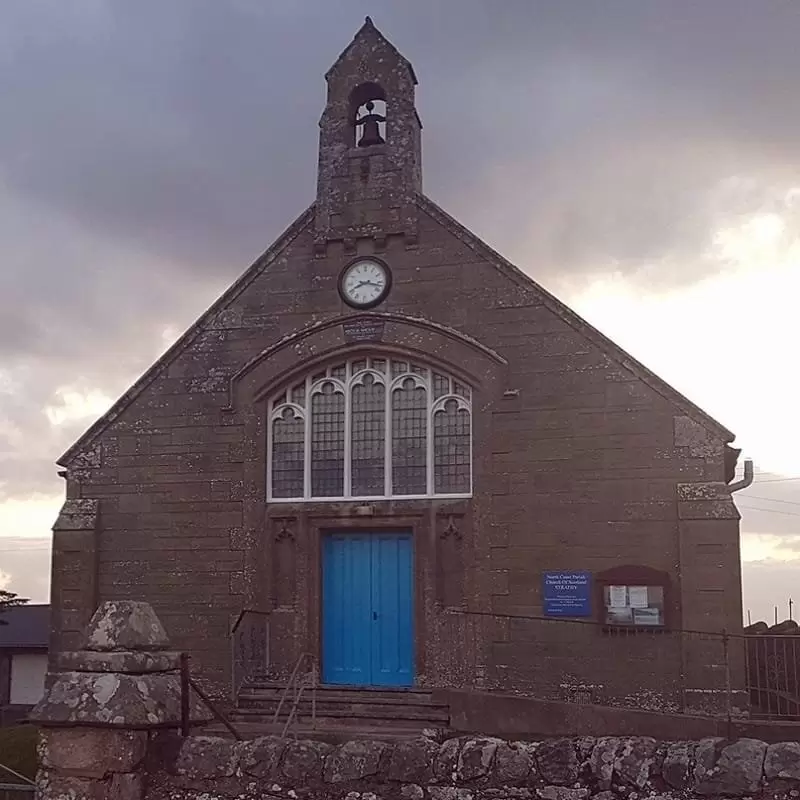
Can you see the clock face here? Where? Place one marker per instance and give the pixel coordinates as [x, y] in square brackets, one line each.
[365, 283]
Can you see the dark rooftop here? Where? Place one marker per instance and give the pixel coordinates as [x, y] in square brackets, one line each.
[26, 626]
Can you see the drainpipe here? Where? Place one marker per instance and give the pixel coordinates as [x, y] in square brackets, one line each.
[746, 480]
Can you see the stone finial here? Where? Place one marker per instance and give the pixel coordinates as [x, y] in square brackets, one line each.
[123, 678]
[126, 625]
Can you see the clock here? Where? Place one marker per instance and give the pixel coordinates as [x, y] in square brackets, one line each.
[365, 282]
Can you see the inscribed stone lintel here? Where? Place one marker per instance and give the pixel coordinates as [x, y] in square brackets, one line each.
[363, 330]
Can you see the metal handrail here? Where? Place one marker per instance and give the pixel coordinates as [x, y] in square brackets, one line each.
[296, 686]
[244, 612]
[17, 774]
[238, 680]
[187, 685]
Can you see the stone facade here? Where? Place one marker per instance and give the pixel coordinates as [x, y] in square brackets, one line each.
[474, 768]
[582, 459]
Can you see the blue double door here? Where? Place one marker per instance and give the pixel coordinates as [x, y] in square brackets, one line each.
[367, 609]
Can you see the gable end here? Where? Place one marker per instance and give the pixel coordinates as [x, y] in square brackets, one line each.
[574, 320]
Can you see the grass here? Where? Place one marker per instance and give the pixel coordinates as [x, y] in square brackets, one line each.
[18, 751]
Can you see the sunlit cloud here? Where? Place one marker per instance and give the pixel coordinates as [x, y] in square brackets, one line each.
[76, 405]
[32, 517]
[722, 341]
[763, 547]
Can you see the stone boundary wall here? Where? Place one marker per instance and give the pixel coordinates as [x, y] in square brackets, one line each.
[473, 768]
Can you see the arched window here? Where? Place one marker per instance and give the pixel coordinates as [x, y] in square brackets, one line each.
[370, 428]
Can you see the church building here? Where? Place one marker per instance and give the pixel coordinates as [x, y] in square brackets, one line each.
[407, 461]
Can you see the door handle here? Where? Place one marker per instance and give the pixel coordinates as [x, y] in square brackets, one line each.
[374, 615]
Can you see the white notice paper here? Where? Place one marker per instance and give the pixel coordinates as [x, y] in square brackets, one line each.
[618, 596]
[638, 596]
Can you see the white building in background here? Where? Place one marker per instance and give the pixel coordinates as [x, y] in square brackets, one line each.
[23, 659]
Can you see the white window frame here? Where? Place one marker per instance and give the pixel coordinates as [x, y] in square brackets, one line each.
[278, 404]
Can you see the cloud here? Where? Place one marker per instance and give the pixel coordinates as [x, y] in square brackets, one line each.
[768, 585]
[25, 567]
[149, 151]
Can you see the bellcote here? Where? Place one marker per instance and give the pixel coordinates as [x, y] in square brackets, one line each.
[370, 148]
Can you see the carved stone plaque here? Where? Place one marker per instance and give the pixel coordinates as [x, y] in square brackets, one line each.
[363, 330]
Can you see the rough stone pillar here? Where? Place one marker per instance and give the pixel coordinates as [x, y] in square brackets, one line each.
[101, 708]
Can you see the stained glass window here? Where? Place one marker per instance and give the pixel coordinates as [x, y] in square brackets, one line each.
[368, 432]
[451, 448]
[409, 438]
[288, 456]
[327, 442]
[371, 427]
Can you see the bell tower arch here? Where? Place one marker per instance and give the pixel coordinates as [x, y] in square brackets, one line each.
[370, 146]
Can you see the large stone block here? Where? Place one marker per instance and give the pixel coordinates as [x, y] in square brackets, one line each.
[91, 753]
[446, 761]
[412, 761]
[207, 757]
[513, 764]
[675, 769]
[108, 699]
[783, 761]
[261, 757]
[634, 759]
[353, 761]
[127, 786]
[733, 770]
[54, 786]
[476, 759]
[603, 760]
[304, 761]
[125, 625]
[558, 762]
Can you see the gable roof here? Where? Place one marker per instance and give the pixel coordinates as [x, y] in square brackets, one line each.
[26, 627]
[369, 31]
[574, 320]
[472, 241]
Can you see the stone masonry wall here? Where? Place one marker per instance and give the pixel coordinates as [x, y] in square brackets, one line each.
[469, 768]
[581, 460]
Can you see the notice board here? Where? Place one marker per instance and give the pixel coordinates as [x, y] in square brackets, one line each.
[567, 594]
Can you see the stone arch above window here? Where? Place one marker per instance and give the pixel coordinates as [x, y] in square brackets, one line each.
[369, 428]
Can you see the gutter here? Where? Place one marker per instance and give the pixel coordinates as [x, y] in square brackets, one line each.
[746, 480]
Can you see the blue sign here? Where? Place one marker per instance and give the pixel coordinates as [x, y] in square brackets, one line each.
[567, 594]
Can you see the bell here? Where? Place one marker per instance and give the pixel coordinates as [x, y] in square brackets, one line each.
[371, 135]
[370, 123]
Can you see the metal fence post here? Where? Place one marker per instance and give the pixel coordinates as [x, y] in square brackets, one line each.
[184, 694]
[728, 688]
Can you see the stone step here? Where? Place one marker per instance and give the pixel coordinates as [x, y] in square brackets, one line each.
[332, 734]
[421, 714]
[267, 691]
[341, 711]
[338, 699]
[342, 722]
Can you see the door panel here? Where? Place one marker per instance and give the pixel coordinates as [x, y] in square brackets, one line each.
[392, 639]
[346, 604]
[367, 609]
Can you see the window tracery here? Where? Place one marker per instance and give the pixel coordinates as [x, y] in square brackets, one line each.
[370, 428]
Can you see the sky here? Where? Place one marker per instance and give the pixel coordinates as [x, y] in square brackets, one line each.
[639, 160]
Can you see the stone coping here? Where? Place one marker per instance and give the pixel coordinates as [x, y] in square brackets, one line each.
[123, 661]
[476, 768]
